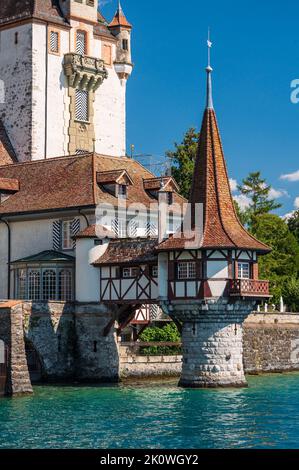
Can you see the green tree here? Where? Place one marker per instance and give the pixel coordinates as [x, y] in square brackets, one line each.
[183, 160]
[167, 334]
[282, 263]
[293, 224]
[290, 294]
[258, 191]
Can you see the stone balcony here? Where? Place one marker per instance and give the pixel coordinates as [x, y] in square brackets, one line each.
[84, 72]
[249, 288]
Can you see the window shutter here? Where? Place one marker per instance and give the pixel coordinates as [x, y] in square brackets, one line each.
[57, 235]
[114, 226]
[54, 42]
[81, 105]
[75, 230]
[151, 230]
[81, 42]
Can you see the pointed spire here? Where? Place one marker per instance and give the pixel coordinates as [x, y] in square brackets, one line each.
[211, 188]
[120, 18]
[209, 75]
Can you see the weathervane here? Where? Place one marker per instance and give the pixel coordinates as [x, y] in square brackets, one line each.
[209, 72]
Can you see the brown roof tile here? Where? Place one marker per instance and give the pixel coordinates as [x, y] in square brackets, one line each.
[95, 232]
[129, 251]
[70, 182]
[120, 20]
[15, 10]
[112, 177]
[9, 184]
[211, 188]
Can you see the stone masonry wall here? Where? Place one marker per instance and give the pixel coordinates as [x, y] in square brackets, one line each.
[135, 366]
[271, 343]
[50, 328]
[11, 332]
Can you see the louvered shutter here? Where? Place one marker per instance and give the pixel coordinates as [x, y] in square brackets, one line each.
[114, 226]
[81, 42]
[81, 105]
[75, 230]
[151, 230]
[133, 227]
[54, 41]
[57, 235]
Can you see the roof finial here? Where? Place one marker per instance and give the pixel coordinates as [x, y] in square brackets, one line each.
[120, 10]
[209, 77]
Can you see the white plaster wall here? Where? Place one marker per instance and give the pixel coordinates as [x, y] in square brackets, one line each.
[87, 276]
[110, 116]
[16, 73]
[217, 269]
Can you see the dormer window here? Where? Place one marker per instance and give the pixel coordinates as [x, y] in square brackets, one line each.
[115, 182]
[8, 186]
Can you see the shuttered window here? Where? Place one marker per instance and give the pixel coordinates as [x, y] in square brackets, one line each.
[81, 105]
[81, 42]
[54, 42]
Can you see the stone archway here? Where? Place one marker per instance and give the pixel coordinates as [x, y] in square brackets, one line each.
[34, 363]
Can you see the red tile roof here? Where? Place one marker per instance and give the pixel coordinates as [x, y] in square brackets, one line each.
[95, 232]
[120, 20]
[7, 153]
[112, 177]
[9, 184]
[129, 251]
[211, 188]
[15, 10]
[155, 184]
[70, 182]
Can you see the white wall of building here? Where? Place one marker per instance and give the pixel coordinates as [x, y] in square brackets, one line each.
[87, 276]
[16, 74]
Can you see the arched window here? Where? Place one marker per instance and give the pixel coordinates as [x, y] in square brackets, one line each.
[49, 284]
[34, 285]
[65, 287]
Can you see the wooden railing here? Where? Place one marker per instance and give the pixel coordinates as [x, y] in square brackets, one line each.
[249, 288]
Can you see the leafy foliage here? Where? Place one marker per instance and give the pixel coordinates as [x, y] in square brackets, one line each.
[290, 293]
[293, 224]
[258, 191]
[167, 334]
[283, 262]
[183, 160]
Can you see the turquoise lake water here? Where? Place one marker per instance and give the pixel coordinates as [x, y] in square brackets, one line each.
[266, 415]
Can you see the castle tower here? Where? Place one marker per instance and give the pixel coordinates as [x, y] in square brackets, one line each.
[121, 29]
[59, 67]
[211, 271]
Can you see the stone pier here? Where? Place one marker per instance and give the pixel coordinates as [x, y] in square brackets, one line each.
[12, 333]
[212, 337]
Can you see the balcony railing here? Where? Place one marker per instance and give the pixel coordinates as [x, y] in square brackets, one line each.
[249, 288]
[84, 71]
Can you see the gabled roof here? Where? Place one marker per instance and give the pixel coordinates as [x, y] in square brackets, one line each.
[114, 177]
[120, 20]
[211, 188]
[165, 183]
[70, 183]
[129, 251]
[7, 153]
[48, 256]
[16, 10]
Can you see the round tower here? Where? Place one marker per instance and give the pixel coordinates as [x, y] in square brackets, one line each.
[210, 269]
[122, 29]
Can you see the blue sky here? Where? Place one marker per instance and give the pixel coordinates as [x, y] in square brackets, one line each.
[255, 57]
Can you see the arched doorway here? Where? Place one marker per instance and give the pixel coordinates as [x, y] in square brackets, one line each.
[33, 362]
[3, 366]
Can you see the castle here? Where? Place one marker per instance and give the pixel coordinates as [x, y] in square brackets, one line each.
[75, 270]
